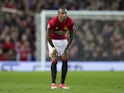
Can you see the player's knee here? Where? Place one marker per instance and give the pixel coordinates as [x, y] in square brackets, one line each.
[54, 60]
[64, 59]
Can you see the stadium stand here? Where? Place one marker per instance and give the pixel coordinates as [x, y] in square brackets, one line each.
[17, 30]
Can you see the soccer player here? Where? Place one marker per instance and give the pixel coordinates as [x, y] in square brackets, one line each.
[60, 31]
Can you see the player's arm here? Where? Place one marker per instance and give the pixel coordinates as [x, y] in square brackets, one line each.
[49, 38]
[54, 51]
[69, 40]
[50, 41]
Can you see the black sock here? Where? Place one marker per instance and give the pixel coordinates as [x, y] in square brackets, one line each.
[53, 72]
[64, 71]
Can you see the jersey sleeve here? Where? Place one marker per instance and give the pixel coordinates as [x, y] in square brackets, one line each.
[50, 25]
[72, 26]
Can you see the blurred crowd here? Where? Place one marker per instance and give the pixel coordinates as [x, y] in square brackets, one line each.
[34, 6]
[98, 40]
[94, 40]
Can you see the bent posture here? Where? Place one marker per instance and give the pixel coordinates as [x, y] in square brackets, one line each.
[59, 36]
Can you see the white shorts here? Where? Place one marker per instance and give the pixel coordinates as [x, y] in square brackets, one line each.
[60, 45]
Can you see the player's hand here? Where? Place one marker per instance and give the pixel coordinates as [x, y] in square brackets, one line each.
[64, 53]
[54, 52]
[64, 57]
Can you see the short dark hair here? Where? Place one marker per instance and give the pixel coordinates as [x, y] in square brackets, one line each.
[62, 8]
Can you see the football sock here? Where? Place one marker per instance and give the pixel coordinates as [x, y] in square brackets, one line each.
[53, 72]
[64, 71]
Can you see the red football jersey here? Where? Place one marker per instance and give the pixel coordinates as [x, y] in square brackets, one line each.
[60, 29]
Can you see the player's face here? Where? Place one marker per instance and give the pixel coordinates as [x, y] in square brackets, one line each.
[62, 15]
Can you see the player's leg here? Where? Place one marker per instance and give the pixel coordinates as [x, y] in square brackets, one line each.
[64, 72]
[54, 59]
[53, 72]
[64, 66]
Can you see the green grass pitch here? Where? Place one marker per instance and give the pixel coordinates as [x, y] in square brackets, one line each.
[80, 82]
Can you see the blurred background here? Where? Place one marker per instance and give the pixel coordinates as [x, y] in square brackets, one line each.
[98, 46]
[93, 40]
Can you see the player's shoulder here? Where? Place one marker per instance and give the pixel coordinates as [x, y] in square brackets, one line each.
[70, 20]
[54, 19]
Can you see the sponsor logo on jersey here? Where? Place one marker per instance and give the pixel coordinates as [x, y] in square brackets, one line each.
[56, 28]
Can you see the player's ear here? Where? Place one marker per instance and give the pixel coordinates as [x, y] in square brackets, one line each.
[66, 10]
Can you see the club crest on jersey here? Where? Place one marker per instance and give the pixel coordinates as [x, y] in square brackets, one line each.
[65, 28]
